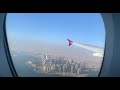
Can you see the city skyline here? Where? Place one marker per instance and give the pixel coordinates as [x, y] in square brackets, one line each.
[63, 66]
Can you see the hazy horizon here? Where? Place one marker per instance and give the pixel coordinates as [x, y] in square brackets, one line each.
[56, 28]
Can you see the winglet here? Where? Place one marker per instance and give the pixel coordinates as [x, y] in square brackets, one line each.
[70, 42]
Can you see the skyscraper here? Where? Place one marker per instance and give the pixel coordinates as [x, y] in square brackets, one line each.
[78, 71]
[72, 68]
[64, 67]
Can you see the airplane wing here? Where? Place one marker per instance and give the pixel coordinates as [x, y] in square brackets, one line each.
[94, 49]
[98, 51]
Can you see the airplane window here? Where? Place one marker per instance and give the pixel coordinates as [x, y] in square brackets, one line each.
[56, 44]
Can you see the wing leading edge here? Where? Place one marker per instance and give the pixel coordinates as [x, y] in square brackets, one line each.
[98, 51]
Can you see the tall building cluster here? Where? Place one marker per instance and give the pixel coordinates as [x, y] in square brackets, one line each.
[60, 65]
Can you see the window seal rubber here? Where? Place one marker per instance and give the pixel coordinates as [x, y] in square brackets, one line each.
[7, 50]
[104, 52]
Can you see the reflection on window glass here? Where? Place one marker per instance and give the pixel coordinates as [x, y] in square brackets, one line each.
[56, 44]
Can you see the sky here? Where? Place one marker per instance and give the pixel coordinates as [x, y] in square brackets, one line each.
[87, 28]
